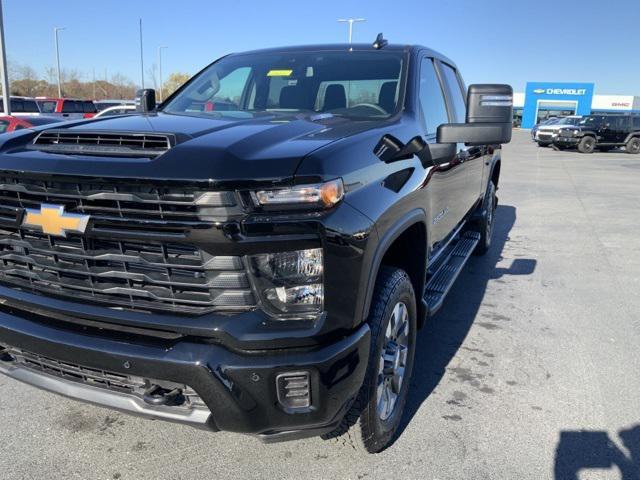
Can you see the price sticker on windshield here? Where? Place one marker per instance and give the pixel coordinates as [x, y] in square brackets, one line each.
[280, 73]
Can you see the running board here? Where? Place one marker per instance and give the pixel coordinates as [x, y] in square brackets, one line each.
[441, 281]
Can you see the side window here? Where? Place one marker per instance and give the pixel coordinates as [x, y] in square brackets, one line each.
[30, 106]
[3, 125]
[455, 92]
[89, 107]
[68, 106]
[636, 123]
[432, 104]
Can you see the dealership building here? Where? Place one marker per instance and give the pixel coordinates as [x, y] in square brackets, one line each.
[542, 100]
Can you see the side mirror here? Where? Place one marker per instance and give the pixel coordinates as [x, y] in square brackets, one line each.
[146, 100]
[489, 117]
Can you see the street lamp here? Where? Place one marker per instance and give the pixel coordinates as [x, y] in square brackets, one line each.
[351, 21]
[160, 67]
[55, 31]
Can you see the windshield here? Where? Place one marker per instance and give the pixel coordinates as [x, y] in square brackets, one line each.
[589, 121]
[362, 85]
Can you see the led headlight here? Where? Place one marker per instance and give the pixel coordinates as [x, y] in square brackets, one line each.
[322, 195]
[290, 284]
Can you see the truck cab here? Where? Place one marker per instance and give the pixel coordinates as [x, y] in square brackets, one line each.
[262, 267]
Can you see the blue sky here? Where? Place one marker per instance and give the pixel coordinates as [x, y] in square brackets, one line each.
[505, 41]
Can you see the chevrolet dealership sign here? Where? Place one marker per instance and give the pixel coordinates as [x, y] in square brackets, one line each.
[562, 97]
[561, 91]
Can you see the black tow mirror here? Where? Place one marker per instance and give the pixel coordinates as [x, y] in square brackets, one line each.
[146, 100]
[390, 149]
[489, 117]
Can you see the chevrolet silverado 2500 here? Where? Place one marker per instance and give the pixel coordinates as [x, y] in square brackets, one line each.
[257, 254]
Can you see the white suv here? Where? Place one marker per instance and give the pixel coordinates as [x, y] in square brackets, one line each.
[546, 133]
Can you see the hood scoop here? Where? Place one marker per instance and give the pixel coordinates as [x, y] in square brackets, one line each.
[103, 143]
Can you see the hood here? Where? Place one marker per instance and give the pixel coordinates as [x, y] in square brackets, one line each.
[240, 149]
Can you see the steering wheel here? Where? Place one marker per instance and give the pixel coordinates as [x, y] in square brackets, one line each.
[375, 107]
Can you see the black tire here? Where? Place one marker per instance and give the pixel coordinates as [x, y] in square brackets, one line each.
[363, 428]
[633, 145]
[485, 226]
[587, 144]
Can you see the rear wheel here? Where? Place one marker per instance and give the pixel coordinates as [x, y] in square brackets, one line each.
[633, 145]
[587, 144]
[485, 226]
[373, 419]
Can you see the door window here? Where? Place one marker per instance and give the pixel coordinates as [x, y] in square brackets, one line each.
[432, 104]
[455, 92]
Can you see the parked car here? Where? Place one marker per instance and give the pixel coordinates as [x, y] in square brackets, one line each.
[117, 110]
[603, 132]
[22, 106]
[545, 134]
[104, 104]
[548, 121]
[67, 107]
[11, 123]
[266, 269]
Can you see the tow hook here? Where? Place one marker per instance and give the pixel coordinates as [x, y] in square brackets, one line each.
[156, 395]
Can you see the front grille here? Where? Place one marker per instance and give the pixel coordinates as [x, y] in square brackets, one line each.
[128, 144]
[116, 382]
[136, 275]
[122, 206]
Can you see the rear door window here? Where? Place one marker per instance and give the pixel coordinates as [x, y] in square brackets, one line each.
[88, 107]
[455, 92]
[30, 106]
[636, 123]
[432, 104]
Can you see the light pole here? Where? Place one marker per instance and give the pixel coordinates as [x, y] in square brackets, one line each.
[141, 56]
[351, 21]
[3, 64]
[160, 67]
[55, 31]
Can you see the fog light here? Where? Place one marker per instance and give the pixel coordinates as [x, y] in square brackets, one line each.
[294, 390]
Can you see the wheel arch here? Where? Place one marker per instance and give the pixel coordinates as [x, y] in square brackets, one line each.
[401, 246]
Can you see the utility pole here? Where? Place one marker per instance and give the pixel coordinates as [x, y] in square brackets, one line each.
[160, 67]
[3, 64]
[55, 31]
[351, 21]
[141, 55]
[94, 83]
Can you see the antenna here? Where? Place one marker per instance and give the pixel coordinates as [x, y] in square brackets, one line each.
[380, 42]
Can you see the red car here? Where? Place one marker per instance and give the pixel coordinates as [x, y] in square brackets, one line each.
[67, 107]
[11, 124]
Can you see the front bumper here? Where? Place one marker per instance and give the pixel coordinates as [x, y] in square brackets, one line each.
[566, 141]
[238, 388]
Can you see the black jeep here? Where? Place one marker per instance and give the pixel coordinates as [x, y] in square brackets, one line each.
[604, 132]
[262, 267]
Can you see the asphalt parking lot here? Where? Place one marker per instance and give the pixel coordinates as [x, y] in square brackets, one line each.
[530, 371]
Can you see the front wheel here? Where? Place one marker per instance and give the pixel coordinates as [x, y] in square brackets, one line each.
[633, 145]
[587, 145]
[375, 415]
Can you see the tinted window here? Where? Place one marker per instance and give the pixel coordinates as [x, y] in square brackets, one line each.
[636, 123]
[17, 105]
[72, 106]
[3, 125]
[30, 106]
[89, 107]
[434, 110]
[455, 93]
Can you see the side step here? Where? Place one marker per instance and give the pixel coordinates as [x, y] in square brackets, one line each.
[441, 281]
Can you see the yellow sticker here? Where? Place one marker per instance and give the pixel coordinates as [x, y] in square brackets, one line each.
[279, 73]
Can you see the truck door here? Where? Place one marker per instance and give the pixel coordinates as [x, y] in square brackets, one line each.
[473, 158]
[447, 179]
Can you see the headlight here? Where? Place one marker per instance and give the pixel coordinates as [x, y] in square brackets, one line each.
[290, 284]
[322, 195]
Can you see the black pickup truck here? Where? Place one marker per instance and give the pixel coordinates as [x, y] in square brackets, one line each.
[262, 267]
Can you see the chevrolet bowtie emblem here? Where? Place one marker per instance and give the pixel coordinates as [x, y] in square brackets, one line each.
[53, 220]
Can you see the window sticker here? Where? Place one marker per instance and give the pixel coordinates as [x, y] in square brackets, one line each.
[279, 73]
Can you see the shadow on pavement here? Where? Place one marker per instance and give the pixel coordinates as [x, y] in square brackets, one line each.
[439, 340]
[585, 450]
